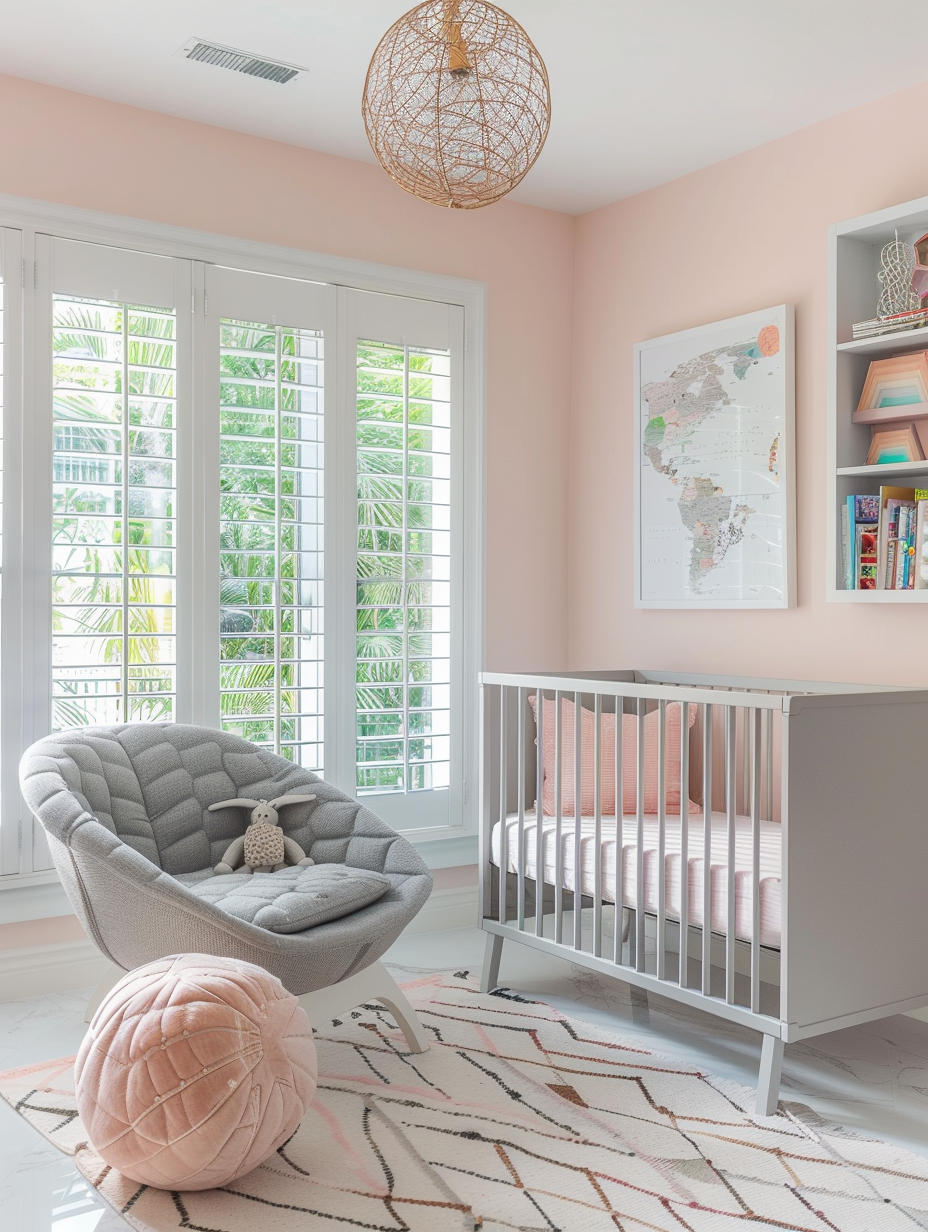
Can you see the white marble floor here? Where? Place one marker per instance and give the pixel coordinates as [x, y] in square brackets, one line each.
[872, 1078]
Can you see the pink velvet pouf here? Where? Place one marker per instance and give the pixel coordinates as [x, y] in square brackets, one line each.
[194, 1071]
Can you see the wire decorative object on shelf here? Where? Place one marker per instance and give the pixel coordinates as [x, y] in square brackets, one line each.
[456, 103]
[897, 265]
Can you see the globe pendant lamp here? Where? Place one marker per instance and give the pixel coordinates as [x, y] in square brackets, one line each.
[456, 103]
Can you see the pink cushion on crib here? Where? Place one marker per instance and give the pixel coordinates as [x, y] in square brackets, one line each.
[194, 1071]
[629, 760]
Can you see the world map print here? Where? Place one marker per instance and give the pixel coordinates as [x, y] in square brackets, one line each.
[712, 512]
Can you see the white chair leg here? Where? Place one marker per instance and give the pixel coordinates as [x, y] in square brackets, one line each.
[489, 976]
[374, 983]
[113, 975]
[768, 1082]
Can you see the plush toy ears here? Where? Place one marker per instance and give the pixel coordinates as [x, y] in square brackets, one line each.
[240, 803]
[282, 800]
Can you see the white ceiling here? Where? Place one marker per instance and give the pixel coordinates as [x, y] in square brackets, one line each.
[643, 90]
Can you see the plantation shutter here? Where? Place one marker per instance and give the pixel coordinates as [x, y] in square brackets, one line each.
[403, 359]
[99, 594]
[269, 641]
[13, 832]
[235, 499]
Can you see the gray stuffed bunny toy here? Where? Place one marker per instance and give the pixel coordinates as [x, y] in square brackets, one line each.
[263, 847]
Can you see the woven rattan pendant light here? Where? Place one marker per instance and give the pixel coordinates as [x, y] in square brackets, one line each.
[456, 103]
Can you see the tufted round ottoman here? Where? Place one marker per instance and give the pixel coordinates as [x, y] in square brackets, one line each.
[195, 1069]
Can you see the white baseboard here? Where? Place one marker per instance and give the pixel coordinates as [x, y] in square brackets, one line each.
[446, 909]
[37, 969]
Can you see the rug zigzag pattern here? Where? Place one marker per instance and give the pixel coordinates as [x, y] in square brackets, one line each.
[516, 1119]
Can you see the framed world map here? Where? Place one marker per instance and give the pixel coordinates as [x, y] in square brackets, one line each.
[714, 492]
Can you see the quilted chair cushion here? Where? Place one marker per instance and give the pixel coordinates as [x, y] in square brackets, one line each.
[194, 1071]
[292, 899]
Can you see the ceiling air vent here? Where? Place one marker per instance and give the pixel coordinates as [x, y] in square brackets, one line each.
[241, 61]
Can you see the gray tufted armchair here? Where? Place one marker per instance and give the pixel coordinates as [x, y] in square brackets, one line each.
[125, 811]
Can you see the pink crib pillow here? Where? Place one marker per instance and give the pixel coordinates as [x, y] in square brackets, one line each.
[629, 760]
[194, 1071]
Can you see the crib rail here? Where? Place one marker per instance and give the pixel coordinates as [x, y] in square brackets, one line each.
[589, 846]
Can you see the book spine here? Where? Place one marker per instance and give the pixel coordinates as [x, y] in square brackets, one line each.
[847, 555]
[901, 549]
[865, 556]
[892, 543]
[918, 562]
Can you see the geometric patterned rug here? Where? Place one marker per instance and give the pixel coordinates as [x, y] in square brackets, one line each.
[516, 1119]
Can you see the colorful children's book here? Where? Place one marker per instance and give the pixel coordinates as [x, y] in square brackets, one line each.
[865, 551]
[905, 545]
[920, 556]
[847, 551]
[890, 546]
[862, 514]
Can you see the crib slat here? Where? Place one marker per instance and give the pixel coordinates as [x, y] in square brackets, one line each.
[578, 819]
[661, 839]
[618, 926]
[488, 747]
[755, 861]
[597, 826]
[503, 823]
[731, 808]
[539, 810]
[639, 841]
[520, 862]
[684, 971]
[768, 760]
[558, 818]
[708, 719]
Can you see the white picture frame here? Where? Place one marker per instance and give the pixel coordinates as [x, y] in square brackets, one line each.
[713, 451]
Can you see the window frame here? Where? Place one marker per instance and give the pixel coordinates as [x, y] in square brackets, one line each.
[27, 228]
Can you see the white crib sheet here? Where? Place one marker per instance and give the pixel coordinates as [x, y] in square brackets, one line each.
[770, 866]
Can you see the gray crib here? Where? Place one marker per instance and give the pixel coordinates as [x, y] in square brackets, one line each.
[755, 848]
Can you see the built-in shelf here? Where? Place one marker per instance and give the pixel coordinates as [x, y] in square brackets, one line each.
[904, 412]
[879, 596]
[854, 291]
[885, 470]
[889, 344]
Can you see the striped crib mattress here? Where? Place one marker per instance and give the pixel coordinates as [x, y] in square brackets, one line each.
[770, 866]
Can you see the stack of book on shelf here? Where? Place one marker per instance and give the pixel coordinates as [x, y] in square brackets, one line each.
[885, 540]
[890, 325]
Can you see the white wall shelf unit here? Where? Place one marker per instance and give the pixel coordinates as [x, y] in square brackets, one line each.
[854, 258]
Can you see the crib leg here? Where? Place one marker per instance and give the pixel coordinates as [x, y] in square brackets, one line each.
[768, 1082]
[489, 977]
[641, 1011]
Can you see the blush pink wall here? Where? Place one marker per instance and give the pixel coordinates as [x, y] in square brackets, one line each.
[70, 148]
[741, 235]
[146, 165]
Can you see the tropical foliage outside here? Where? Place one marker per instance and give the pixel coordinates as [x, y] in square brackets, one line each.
[114, 653]
[403, 588]
[271, 526]
[113, 646]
